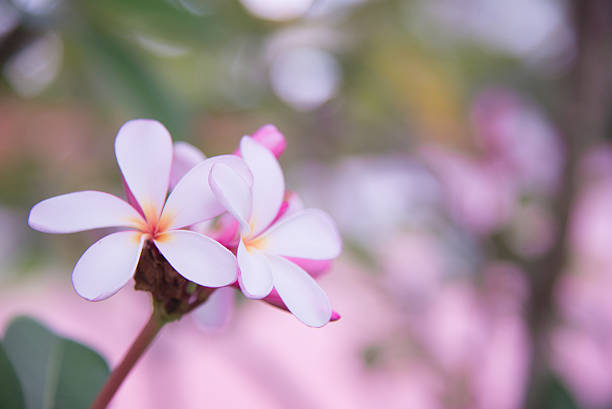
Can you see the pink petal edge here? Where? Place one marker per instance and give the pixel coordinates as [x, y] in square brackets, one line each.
[269, 136]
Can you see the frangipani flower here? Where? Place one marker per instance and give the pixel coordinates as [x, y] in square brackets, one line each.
[187, 156]
[266, 241]
[217, 310]
[144, 154]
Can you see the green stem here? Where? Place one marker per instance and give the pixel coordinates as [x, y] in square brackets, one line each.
[140, 345]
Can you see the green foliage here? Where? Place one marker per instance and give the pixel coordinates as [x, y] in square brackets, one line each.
[553, 394]
[126, 79]
[55, 372]
[558, 397]
[11, 395]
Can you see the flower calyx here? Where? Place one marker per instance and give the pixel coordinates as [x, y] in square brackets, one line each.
[173, 295]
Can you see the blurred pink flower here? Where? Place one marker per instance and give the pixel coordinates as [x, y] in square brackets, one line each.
[532, 229]
[501, 369]
[584, 362]
[266, 240]
[144, 153]
[591, 224]
[513, 132]
[591, 218]
[596, 163]
[413, 283]
[474, 340]
[481, 338]
[581, 349]
[479, 195]
[454, 326]
[354, 186]
[242, 366]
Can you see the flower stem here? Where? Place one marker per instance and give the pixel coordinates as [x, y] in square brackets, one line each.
[140, 345]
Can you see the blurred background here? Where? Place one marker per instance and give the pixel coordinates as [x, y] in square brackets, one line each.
[463, 147]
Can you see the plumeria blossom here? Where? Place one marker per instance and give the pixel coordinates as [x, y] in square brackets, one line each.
[226, 227]
[266, 241]
[144, 153]
[187, 156]
[218, 309]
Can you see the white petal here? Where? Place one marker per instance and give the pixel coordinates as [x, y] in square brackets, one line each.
[144, 153]
[80, 211]
[268, 183]
[233, 192]
[300, 292]
[291, 204]
[198, 258]
[107, 265]
[308, 233]
[255, 276]
[216, 312]
[186, 157]
[192, 200]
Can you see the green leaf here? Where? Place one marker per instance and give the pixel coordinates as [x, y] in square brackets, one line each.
[55, 372]
[123, 76]
[11, 395]
[558, 395]
[553, 394]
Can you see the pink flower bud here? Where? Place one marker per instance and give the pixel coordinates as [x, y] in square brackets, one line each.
[271, 138]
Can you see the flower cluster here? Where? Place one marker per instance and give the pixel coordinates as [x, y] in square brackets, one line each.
[227, 221]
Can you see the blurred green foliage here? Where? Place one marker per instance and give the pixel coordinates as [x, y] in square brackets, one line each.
[11, 395]
[54, 372]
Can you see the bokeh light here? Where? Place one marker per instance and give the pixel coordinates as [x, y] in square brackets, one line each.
[277, 9]
[305, 77]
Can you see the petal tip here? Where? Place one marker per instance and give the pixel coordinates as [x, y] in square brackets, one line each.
[36, 218]
[32, 219]
[245, 140]
[269, 136]
[88, 296]
[253, 295]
